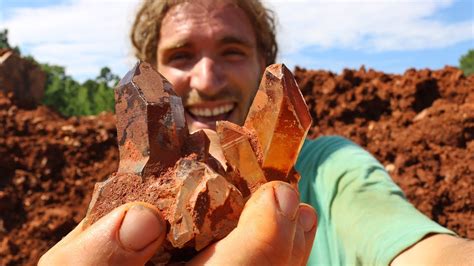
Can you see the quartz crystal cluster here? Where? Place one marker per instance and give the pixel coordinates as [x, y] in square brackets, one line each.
[161, 163]
[267, 146]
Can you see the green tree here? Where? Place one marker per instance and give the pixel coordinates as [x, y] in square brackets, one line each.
[71, 98]
[466, 63]
[66, 95]
[103, 98]
[108, 77]
[78, 101]
[4, 41]
[54, 95]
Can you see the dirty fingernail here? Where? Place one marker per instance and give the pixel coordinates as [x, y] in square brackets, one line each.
[287, 200]
[307, 218]
[140, 227]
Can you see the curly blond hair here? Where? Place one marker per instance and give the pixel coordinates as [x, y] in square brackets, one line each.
[146, 27]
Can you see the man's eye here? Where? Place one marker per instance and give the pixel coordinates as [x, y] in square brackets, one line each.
[180, 56]
[234, 53]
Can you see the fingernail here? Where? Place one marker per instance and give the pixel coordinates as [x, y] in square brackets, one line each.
[307, 218]
[287, 200]
[140, 227]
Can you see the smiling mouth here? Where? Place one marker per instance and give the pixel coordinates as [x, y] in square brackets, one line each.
[210, 114]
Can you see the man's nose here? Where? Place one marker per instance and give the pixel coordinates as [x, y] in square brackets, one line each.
[207, 77]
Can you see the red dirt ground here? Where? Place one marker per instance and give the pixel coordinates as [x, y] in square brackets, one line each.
[420, 125]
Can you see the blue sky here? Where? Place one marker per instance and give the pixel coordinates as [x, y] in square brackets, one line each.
[387, 35]
[28, 3]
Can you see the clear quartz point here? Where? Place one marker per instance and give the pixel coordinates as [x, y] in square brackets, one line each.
[267, 146]
[151, 127]
[280, 119]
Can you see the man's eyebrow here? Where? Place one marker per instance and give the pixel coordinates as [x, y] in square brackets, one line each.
[177, 45]
[235, 40]
[224, 40]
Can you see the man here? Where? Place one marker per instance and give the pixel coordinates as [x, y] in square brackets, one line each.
[214, 53]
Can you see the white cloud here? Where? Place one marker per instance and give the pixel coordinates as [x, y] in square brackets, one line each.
[85, 35]
[82, 35]
[367, 25]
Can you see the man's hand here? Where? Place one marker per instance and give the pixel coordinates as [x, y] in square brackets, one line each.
[129, 235]
[274, 228]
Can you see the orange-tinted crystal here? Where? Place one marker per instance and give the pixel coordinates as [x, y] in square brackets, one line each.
[162, 164]
[267, 146]
[280, 119]
[151, 127]
[239, 153]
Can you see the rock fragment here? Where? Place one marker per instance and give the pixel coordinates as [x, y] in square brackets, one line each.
[162, 164]
[21, 77]
[151, 127]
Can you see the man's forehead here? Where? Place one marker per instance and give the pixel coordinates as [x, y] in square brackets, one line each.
[223, 21]
[202, 10]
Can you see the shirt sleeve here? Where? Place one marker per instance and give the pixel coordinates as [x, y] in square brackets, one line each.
[363, 216]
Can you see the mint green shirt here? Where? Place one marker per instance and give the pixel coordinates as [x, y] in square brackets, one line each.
[363, 216]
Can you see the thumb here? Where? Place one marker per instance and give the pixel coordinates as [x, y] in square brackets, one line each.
[129, 235]
[265, 232]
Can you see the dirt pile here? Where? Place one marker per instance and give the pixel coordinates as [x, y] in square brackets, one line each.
[22, 77]
[420, 125]
[48, 167]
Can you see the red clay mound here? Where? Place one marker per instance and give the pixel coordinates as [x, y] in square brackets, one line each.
[420, 125]
[48, 167]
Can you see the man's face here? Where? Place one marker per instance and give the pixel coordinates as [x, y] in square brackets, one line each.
[208, 51]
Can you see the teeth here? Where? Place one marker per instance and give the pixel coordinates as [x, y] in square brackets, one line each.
[207, 112]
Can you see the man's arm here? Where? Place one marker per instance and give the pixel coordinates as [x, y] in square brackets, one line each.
[359, 203]
[438, 249]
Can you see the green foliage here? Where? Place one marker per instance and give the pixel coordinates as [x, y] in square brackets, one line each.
[466, 63]
[68, 96]
[108, 77]
[4, 41]
[71, 98]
